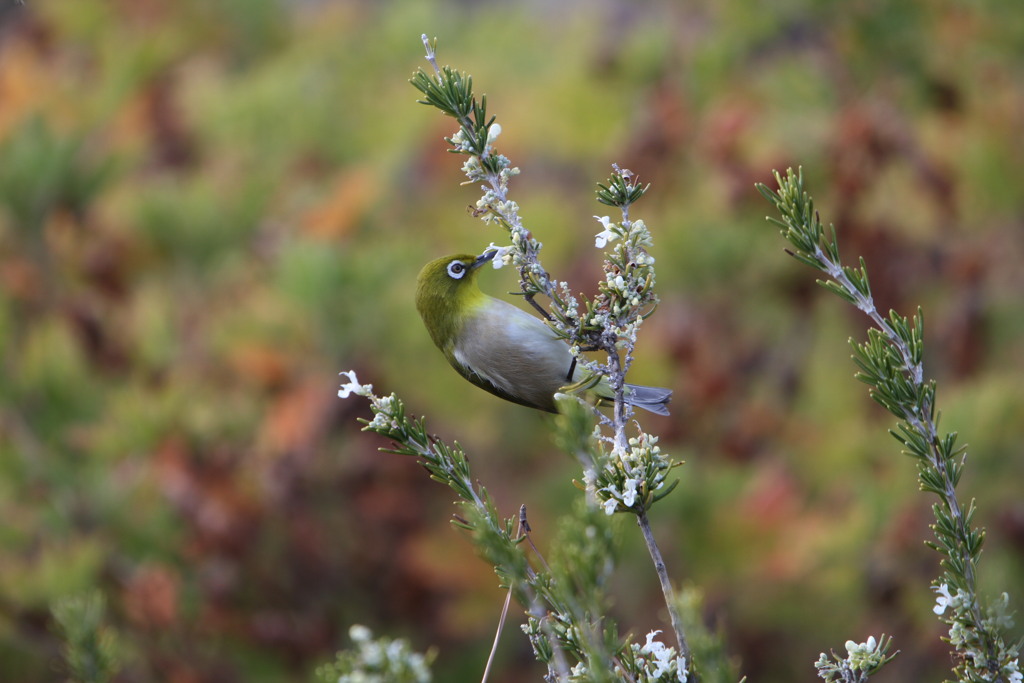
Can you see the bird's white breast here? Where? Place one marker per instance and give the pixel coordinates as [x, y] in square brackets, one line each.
[514, 351]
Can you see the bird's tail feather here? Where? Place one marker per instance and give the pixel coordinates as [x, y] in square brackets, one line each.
[652, 399]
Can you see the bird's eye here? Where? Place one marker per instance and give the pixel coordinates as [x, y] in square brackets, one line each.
[456, 269]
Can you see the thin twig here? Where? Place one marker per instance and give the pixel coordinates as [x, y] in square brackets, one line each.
[666, 584]
[497, 635]
[560, 665]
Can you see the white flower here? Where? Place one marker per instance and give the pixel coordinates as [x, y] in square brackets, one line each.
[502, 257]
[616, 282]
[664, 659]
[506, 208]
[507, 173]
[493, 132]
[372, 653]
[619, 452]
[612, 503]
[606, 235]
[472, 169]
[862, 648]
[959, 635]
[629, 492]
[379, 421]
[460, 141]
[359, 633]
[1013, 672]
[652, 646]
[589, 477]
[944, 600]
[1015, 675]
[353, 386]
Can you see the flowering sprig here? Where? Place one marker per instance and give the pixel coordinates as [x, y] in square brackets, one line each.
[608, 323]
[493, 535]
[861, 662]
[966, 639]
[621, 474]
[652, 662]
[633, 479]
[890, 363]
[452, 93]
[448, 465]
[565, 608]
[625, 296]
[659, 662]
[381, 660]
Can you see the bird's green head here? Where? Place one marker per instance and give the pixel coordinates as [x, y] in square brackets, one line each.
[447, 292]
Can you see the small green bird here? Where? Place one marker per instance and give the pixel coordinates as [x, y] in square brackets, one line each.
[501, 348]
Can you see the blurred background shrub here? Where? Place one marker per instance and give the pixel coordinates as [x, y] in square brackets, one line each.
[208, 209]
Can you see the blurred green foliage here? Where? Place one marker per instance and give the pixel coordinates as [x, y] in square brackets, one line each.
[90, 651]
[208, 209]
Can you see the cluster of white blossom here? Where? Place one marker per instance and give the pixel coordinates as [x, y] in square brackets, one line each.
[494, 202]
[861, 661]
[630, 476]
[656, 661]
[659, 662]
[628, 286]
[635, 473]
[652, 662]
[385, 408]
[625, 498]
[472, 167]
[964, 636]
[380, 661]
[861, 656]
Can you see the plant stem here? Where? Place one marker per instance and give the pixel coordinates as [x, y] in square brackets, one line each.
[920, 420]
[666, 585]
[896, 376]
[497, 635]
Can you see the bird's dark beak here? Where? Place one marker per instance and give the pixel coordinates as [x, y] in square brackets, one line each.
[484, 258]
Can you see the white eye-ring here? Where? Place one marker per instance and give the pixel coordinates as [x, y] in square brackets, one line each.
[456, 269]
